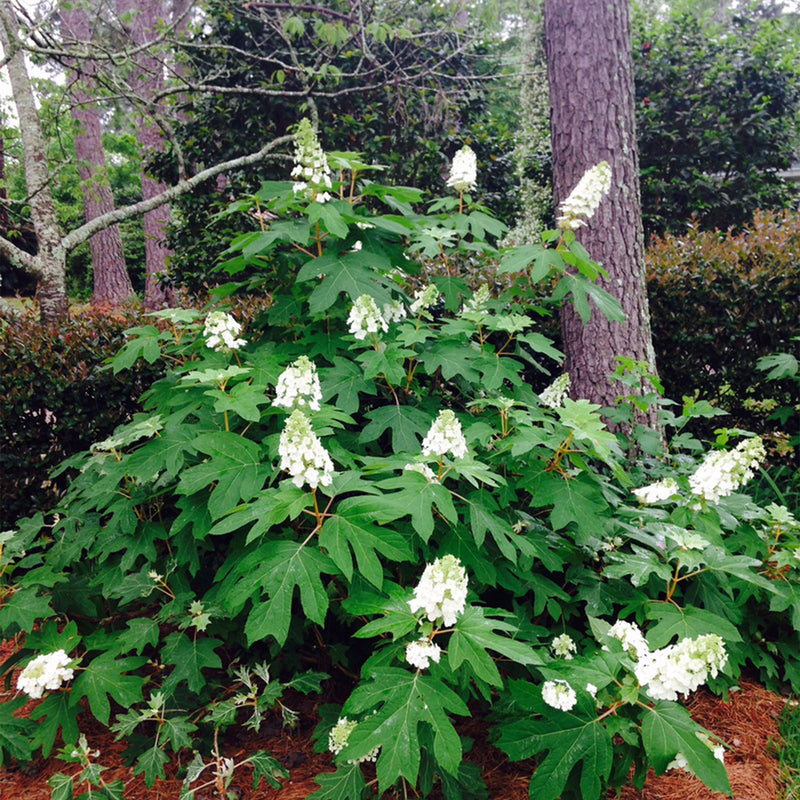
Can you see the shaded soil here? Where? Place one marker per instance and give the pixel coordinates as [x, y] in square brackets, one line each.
[747, 723]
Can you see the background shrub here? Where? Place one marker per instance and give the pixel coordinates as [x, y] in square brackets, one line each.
[718, 303]
[56, 398]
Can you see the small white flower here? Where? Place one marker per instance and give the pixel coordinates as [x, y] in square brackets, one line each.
[302, 454]
[585, 198]
[464, 170]
[311, 171]
[553, 396]
[631, 638]
[658, 491]
[221, 330]
[559, 694]
[442, 591]
[445, 436]
[563, 647]
[46, 672]
[298, 386]
[423, 469]
[394, 311]
[420, 654]
[477, 305]
[424, 298]
[724, 471]
[592, 689]
[365, 317]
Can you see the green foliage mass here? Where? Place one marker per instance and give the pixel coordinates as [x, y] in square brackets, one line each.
[191, 580]
[719, 302]
[716, 115]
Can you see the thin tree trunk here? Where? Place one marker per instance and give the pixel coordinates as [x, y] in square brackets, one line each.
[112, 284]
[49, 265]
[148, 78]
[590, 74]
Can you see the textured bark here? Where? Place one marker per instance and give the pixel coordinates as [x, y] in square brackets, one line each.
[147, 79]
[590, 75]
[112, 284]
[49, 263]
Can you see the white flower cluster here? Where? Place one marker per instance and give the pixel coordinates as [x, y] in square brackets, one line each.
[464, 170]
[221, 330]
[423, 469]
[339, 736]
[298, 385]
[445, 436]
[559, 694]
[682, 667]
[302, 454]
[680, 762]
[442, 591]
[563, 647]
[585, 198]
[311, 164]
[477, 305]
[724, 471]
[658, 491]
[553, 396]
[424, 298]
[420, 653]
[365, 317]
[394, 311]
[631, 638]
[47, 671]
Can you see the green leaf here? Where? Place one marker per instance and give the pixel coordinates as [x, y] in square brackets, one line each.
[104, 676]
[638, 565]
[352, 273]
[579, 500]
[268, 768]
[190, 657]
[406, 423]
[342, 533]
[453, 360]
[140, 633]
[668, 729]
[62, 786]
[15, 732]
[685, 623]
[345, 380]
[289, 566]
[151, 763]
[22, 610]
[574, 739]
[347, 783]
[402, 701]
[235, 467]
[55, 712]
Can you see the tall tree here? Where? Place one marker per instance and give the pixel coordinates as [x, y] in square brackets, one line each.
[590, 75]
[147, 79]
[112, 284]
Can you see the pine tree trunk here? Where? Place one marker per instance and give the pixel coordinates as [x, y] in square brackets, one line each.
[112, 284]
[590, 75]
[147, 80]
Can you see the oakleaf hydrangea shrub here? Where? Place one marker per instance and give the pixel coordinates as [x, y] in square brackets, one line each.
[360, 481]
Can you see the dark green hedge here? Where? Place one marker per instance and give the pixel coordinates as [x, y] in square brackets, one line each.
[718, 303]
[56, 399]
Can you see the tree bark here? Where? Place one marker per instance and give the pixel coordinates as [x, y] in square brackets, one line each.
[590, 75]
[147, 80]
[112, 284]
[49, 264]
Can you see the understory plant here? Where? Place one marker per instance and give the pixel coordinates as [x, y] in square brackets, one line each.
[362, 483]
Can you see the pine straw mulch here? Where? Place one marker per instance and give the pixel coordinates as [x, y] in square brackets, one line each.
[748, 723]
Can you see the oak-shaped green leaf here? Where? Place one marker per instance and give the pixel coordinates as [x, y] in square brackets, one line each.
[190, 656]
[103, 677]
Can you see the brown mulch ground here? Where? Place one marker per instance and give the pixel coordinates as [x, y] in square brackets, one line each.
[748, 723]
